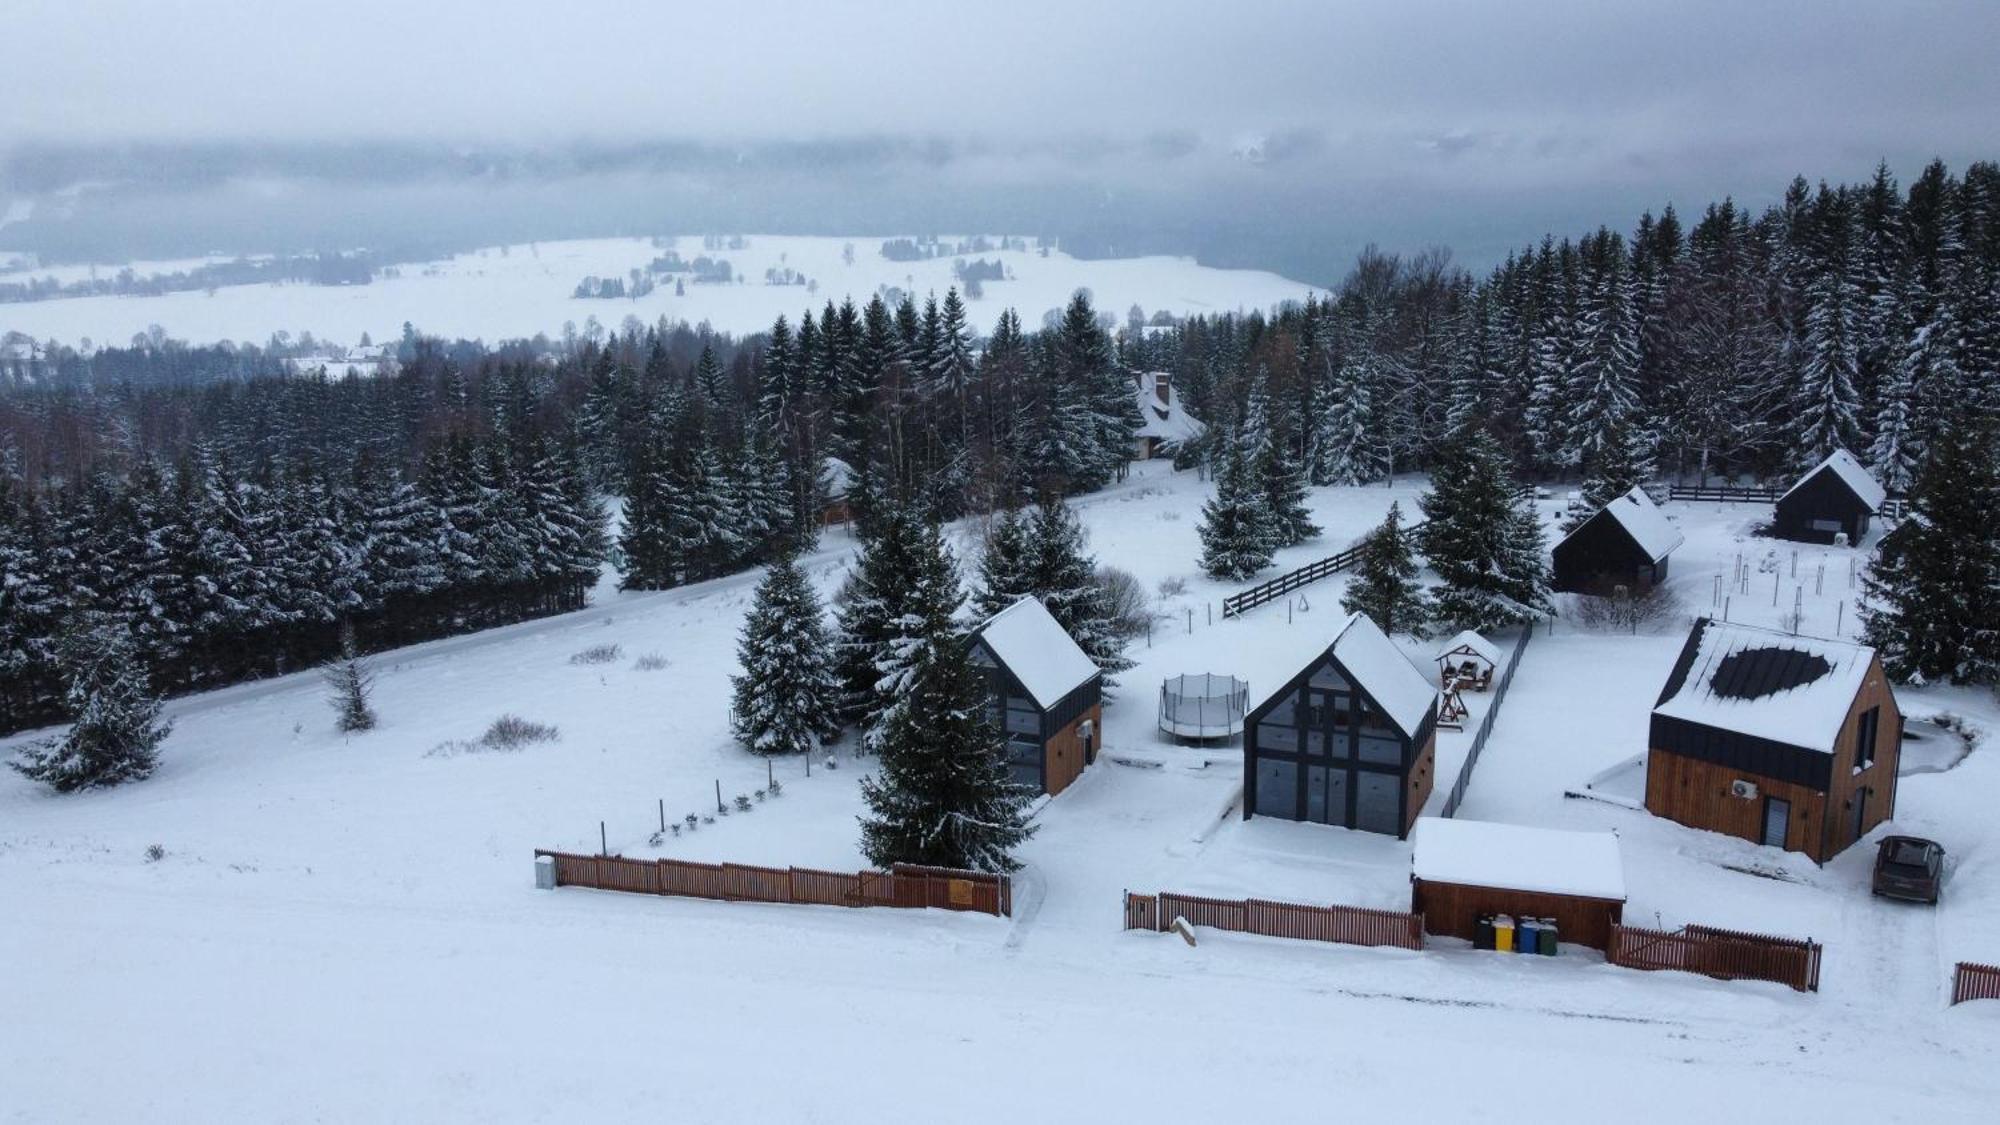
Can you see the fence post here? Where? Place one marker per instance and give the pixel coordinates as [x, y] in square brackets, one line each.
[603, 841]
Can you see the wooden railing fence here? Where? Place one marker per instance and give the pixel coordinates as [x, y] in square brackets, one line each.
[1347, 925]
[1726, 954]
[1893, 506]
[1457, 795]
[1973, 981]
[904, 885]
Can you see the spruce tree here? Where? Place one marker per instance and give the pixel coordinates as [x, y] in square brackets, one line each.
[115, 730]
[1385, 586]
[1064, 576]
[787, 701]
[1236, 538]
[1484, 543]
[1615, 467]
[1005, 567]
[900, 566]
[1933, 589]
[349, 683]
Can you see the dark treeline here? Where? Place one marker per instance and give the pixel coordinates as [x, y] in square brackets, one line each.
[310, 269]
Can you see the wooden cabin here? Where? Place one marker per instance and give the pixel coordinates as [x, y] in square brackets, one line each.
[1838, 497]
[1349, 739]
[1046, 694]
[836, 479]
[1468, 660]
[1787, 741]
[1163, 422]
[1461, 870]
[1625, 543]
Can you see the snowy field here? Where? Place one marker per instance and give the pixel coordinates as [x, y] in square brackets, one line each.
[346, 928]
[518, 291]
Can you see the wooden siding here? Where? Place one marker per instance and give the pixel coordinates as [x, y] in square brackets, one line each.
[1421, 779]
[1064, 752]
[1823, 496]
[1453, 910]
[1696, 793]
[1600, 555]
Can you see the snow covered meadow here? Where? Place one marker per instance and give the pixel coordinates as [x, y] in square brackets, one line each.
[346, 927]
[513, 291]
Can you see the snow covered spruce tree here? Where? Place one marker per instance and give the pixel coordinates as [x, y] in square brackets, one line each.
[1236, 536]
[349, 683]
[1005, 567]
[1933, 590]
[1613, 468]
[115, 730]
[787, 701]
[943, 795]
[1486, 545]
[1385, 586]
[1064, 576]
[1279, 475]
[903, 566]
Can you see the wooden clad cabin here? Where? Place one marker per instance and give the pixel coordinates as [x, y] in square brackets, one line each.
[1349, 739]
[1462, 869]
[1046, 694]
[1789, 741]
[1625, 543]
[1837, 497]
[1163, 422]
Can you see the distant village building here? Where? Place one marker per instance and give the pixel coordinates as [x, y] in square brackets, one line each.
[1838, 497]
[1164, 422]
[1046, 693]
[1625, 543]
[1787, 741]
[1350, 739]
[1466, 871]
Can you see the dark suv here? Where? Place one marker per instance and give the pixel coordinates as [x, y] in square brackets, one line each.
[1907, 867]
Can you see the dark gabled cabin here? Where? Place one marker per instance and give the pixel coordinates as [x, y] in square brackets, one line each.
[1625, 543]
[1787, 741]
[1350, 739]
[1045, 693]
[1838, 497]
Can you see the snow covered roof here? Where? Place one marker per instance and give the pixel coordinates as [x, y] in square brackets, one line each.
[1851, 473]
[1169, 420]
[1766, 684]
[1372, 660]
[1475, 643]
[1038, 651]
[1644, 522]
[1475, 853]
[837, 476]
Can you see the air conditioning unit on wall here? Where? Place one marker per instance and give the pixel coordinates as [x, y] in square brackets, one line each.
[1744, 789]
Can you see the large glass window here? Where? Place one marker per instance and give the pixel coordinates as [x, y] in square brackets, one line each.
[1279, 728]
[1378, 802]
[1022, 718]
[1024, 763]
[1277, 788]
[1865, 731]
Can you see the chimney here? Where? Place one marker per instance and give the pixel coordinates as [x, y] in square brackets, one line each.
[1160, 386]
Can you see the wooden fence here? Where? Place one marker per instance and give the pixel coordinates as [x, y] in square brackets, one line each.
[1972, 981]
[904, 885]
[1892, 506]
[1348, 925]
[1457, 795]
[1725, 954]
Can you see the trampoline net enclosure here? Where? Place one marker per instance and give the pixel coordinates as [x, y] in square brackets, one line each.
[1203, 706]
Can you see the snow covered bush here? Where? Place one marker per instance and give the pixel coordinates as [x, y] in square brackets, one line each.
[1172, 587]
[1124, 603]
[650, 662]
[1622, 611]
[155, 853]
[597, 654]
[512, 732]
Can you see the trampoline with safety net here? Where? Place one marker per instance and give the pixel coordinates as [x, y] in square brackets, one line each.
[1203, 705]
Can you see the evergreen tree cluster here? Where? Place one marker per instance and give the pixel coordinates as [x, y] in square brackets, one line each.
[1041, 554]
[1933, 589]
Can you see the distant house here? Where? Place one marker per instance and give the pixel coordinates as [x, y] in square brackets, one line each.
[1045, 692]
[1350, 739]
[1789, 741]
[1625, 543]
[1837, 497]
[836, 478]
[1462, 870]
[1164, 422]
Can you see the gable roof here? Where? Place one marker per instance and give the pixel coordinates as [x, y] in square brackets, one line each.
[837, 476]
[1851, 473]
[1486, 649]
[1166, 421]
[1641, 519]
[1473, 853]
[1040, 653]
[1766, 684]
[1375, 665]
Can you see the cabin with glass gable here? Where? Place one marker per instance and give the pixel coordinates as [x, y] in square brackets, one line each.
[1350, 739]
[1044, 691]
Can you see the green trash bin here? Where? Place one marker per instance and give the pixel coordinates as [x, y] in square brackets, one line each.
[1546, 938]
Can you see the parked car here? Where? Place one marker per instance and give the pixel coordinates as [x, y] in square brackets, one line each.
[1908, 867]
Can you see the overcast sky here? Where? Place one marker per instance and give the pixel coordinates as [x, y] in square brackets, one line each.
[1702, 98]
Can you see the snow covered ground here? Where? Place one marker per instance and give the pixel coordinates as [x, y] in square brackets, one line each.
[346, 928]
[518, 291]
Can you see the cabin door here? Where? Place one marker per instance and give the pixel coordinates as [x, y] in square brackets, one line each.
[1777, 821]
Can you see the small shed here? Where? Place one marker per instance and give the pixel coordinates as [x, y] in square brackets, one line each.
[1625, 543]
[1045, 692]
[836, 479]
[1463, 869]
[1838, 497]
[1469, 659]
[1164, 422]
[1789, 741]
[1348, 738]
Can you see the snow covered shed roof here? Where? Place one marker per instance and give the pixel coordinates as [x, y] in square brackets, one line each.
[1473, 853]
[1766, 684]
[1851, 473]
[1641, 519]
[1165, 420]
[1038, 651]
[1471, 642]
[837, 476]
[1371, 660]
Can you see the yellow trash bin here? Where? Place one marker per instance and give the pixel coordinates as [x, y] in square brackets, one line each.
[1503, 933]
